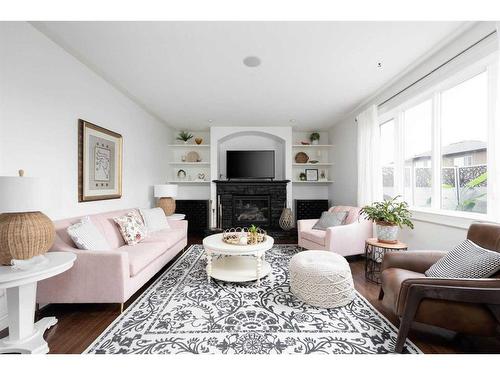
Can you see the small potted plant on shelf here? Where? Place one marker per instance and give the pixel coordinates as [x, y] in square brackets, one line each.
[314, 137]
[184, 136]
[389, 216]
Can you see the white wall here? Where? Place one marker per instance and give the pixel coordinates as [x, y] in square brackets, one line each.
[44, 91]
[429, 233]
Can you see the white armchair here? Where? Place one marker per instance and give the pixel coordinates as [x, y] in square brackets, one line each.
[347, 239]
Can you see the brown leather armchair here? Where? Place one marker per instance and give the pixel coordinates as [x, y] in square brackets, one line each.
[470, 306]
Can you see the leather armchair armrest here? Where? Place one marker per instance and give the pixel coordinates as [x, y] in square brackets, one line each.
[413, 260]
[462, 290]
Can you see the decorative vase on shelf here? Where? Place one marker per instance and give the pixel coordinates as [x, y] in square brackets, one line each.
[198, 140]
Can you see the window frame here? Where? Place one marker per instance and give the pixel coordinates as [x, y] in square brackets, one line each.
[435, 213]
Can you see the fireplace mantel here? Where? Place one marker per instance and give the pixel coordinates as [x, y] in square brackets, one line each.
[251, 181]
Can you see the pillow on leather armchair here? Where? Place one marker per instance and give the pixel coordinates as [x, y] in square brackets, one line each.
[467, 261]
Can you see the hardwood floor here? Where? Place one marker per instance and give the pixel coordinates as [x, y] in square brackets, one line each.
[80, 324]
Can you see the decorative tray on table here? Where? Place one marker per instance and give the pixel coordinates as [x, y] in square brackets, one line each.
[244, 236]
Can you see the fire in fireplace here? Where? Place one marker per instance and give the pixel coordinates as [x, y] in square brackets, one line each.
[251, 210]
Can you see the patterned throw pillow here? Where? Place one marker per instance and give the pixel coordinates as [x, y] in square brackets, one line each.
[468, 261]
[86, 236]
[131, 227]
[330, 219]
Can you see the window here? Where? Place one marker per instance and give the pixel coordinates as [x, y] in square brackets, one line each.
[434, 152]
[464, 135]
[387, 158]
[417, 134]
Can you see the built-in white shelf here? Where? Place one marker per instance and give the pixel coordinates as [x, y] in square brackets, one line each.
[312, 164]
[189, 145]
[312, 182]
[190, 182]
[200, 163]
[310, 146]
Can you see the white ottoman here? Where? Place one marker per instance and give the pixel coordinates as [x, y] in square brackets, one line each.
[321, 278]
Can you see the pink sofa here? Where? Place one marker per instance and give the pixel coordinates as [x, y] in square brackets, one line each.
[347, 239]
[110, 276]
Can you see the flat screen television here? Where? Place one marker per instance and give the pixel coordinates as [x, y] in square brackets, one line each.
[250, 164]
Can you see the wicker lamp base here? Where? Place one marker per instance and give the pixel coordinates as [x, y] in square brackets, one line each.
[168, 205]
[24, 235]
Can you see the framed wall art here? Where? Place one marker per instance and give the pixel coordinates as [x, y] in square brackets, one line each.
[99, 163]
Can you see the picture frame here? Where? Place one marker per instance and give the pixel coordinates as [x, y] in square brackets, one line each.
[311, 175]
[100, 155]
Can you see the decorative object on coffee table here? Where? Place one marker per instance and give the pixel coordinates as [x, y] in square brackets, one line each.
[198, 140]
[286, 219]
[99, 163]
[374, 255]
[166, 194]
[321, 278]
[25, 232]
[311, 175]
[239, 263]
[184, 136]
[244, 236]
[389, 216]
[301, 157]
[314, 137]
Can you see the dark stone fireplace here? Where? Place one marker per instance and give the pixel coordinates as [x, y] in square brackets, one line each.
[243, 203]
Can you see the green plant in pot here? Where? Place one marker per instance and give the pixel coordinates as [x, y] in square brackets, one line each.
[389, 216]
[184, 136]
[314, 137]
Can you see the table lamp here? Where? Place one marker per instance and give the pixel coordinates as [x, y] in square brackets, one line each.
[24, 231]
[166, 194]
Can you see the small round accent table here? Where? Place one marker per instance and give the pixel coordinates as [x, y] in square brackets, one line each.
[236, 263]
[374, 255]
[25, 336]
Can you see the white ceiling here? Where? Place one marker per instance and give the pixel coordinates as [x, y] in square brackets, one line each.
[187, 73]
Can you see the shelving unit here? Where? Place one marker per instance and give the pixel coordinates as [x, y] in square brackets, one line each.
[311, 146]
[177, 151]
[312, 164]
[321, 182]
[320, 152]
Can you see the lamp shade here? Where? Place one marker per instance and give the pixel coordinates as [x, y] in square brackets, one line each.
[19, 194]
[167, 190]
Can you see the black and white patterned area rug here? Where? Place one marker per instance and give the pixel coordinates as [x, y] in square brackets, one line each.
[182, 313]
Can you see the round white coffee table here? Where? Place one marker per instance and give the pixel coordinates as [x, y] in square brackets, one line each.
[236, 263]
[24, 335]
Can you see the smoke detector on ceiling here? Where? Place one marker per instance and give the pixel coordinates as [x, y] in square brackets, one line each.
[251, 61]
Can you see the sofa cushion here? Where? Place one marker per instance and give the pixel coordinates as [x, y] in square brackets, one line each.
[314, 235]
[131, 227]
[86, 236]
[142, 254]
[154, 219]
[169, 237]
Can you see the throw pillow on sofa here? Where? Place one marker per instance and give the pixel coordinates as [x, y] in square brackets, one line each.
[86, 236]
[131, 227]
[154, 219]
[468, 261]
[330, 219]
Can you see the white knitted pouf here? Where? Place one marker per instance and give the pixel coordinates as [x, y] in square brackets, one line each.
[321, 278]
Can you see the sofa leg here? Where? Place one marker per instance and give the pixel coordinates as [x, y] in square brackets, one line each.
[121, 308]
[381, 295]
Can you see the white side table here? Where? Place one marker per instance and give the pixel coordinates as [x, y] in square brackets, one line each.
[25, 336]
[176, 217]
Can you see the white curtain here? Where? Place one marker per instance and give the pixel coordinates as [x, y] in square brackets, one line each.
[494, 150]
[369, 170]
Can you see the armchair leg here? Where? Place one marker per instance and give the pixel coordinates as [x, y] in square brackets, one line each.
[404, 326]
[381, 295]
